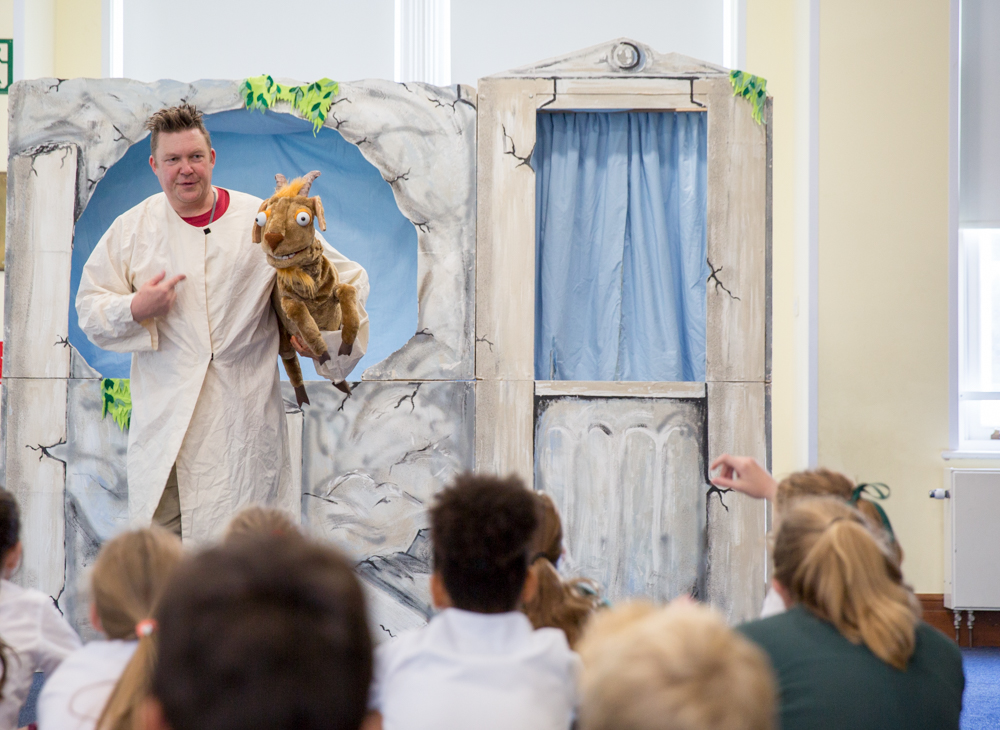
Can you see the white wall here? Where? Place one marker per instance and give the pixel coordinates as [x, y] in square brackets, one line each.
[193, 39]
[204, 39]
[489, 37]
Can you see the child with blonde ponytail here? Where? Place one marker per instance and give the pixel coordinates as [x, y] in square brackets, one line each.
[851, 651]
[103, 684]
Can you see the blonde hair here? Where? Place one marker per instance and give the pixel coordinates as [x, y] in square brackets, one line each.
[128, 579]
[261, 521]
[674, 668]
[558, 604]
[831, 562]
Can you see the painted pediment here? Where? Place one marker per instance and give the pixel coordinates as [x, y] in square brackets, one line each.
[622, 57]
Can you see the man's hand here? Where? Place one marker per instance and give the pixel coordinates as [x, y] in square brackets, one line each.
[155, 297]
[745, 475]
[302, 349]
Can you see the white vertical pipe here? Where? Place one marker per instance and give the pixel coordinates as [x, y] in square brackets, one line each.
[423, 41]
[807, 230]
[113, 38]
[734, 34]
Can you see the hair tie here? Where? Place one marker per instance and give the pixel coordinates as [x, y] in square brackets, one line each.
[145, 627]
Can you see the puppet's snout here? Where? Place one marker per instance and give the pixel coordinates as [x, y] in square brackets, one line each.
[274, 238]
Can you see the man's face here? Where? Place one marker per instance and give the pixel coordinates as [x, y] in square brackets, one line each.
[183, 164]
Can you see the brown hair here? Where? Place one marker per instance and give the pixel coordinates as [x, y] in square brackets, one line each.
[10, 535]
[127, 581]
[264, 632]
[816, 483]
[175, 119]
[674, 668]
[558, 604]
[257, 520]
[482, 528]
[831, 562]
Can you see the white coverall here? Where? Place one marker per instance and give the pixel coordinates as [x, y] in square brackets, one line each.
[204, 378]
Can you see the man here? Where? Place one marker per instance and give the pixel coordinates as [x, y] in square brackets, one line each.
[178, 282]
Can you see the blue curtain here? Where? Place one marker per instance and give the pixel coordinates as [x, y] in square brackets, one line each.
[363, 221]
[620, 248]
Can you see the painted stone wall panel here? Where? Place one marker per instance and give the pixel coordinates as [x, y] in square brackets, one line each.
[371, 466]
[627, 475]
[42, 187]
[736, 523]
[737, 205]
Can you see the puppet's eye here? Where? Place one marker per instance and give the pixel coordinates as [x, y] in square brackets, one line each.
[303, 218]
[262, 219]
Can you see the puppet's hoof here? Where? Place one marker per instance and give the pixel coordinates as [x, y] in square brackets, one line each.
[346, 348]
[343, 387]
[325, 357]
[300, 396]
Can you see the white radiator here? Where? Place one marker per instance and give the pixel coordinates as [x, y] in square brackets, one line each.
[971, 539]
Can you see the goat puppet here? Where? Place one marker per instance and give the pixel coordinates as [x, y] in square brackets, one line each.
[307, 296]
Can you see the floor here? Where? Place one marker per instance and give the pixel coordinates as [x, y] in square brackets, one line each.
[981, 702]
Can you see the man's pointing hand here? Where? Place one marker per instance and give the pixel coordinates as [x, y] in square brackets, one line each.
[155, 297]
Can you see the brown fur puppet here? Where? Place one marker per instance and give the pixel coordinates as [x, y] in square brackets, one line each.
[308, 296]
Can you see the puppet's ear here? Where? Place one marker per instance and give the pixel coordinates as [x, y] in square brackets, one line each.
[256, 228]
[320, 218]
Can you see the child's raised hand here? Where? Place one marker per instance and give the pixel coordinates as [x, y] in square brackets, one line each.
[745, 475]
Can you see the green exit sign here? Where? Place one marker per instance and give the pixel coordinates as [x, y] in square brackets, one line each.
[6, 64]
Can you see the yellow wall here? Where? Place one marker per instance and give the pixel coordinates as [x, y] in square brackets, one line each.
[771, 53]
[77, 39]
[883, 248]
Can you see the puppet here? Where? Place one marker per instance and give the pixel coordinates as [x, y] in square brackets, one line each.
[308, 296]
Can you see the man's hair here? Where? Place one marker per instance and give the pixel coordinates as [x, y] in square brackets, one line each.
[175, 119]
[674, 668]
[267, 632]
[481, 530]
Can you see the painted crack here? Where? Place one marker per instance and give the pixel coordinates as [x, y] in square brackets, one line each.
[525, 160]
[412, 397]
[714, 277]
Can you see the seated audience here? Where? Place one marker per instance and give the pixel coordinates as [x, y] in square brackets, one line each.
[851, 651]
[558, 604]
[674, 668]
[127, 581]
[744, 474]
[258, 520]
[267, 633]
[478, 663]
[34, 637]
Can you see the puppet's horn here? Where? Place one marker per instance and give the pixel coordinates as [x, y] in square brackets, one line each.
[307, 182]
[279, 182]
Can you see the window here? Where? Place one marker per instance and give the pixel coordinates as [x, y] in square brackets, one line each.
[979, 317]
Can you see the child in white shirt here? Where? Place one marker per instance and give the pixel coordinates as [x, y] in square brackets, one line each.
[34, 637]
[127, 580]
[478, 663]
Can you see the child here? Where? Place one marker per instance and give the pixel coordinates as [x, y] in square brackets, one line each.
[267, 632]
[673, 668]
[745, 475]
[127, 581]
[565, 605]
[851, 651]
[33, 634]
[478, 663]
